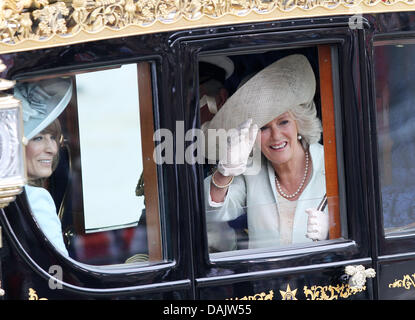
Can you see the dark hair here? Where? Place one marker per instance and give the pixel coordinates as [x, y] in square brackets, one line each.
[54, 129]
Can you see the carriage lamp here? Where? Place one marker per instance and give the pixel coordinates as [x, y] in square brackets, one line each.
[12, 167]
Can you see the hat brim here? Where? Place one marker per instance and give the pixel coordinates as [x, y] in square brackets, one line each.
[274, 90]
[282, 85]
[60, 91]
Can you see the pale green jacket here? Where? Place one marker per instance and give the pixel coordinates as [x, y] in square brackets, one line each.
[257, 195]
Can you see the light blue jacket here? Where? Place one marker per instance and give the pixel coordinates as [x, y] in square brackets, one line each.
[44, 212]
[257, 195]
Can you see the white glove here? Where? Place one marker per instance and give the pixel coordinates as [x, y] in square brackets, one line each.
[239, 144]
[317, 224]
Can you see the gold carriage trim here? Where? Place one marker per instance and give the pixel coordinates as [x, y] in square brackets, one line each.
[33, 295]
[330, 292]
[32, 24]
[407, 282]
[342, 291]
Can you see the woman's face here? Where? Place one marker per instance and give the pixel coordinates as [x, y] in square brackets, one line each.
[279, 142]
[40, 152]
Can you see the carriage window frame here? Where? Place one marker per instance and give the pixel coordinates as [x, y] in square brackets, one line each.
[400, 238]
[147, 107]
[328, 67]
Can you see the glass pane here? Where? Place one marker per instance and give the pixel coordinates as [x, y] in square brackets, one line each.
[259, 181]
[97, 187]
[105, 138]
[394, 68]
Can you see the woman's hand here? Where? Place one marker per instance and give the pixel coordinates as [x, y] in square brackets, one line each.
[240, 142]
[317, 224]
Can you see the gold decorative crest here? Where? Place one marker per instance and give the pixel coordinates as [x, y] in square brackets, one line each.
[407, 282]
[69, 21]
[288, 294]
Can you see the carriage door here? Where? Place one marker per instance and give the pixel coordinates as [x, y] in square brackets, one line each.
[230, 261]
[393, 70]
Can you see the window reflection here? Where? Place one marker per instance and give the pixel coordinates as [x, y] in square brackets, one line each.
[394, 67]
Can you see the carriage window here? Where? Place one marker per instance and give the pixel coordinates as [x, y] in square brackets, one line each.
[270, 147]
[394, 67]
[103, 187]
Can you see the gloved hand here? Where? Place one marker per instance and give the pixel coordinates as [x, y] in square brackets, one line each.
[317, 224]
[240, 142]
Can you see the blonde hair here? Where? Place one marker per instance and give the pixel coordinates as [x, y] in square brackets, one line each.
[54, 129]
[308, 124]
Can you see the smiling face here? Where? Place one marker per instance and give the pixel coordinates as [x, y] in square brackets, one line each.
[40, 152]
[279, 142]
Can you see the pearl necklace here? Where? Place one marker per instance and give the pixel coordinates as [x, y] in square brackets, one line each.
[289, 196]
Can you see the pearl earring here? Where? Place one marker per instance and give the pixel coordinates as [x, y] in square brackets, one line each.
[299, 137]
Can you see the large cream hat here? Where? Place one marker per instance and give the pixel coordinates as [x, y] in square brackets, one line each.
[274, 90]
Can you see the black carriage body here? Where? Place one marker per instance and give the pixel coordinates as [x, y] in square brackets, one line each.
[189, 272]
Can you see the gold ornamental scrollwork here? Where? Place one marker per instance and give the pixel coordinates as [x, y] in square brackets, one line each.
[330, 292]
[33, 295]
[339, 291]
[258, 296]
[42, 20]
[407, 282]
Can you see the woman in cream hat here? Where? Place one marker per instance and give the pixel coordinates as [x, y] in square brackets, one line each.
[281, 200]
[42, 102]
